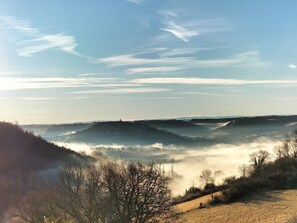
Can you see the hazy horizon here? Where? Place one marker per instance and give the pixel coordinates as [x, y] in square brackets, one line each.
[140, 119]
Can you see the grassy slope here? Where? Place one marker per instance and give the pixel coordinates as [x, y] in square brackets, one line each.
[264, 207]
[193, 204]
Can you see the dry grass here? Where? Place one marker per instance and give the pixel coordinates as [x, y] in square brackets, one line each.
[194, 204]
[264, 207]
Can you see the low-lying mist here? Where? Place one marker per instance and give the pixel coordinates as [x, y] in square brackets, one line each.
[185, 162]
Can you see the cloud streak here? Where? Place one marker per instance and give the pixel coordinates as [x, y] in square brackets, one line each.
[209, 81]
[185, 30]
[250, 58]
[34, 99]
[134, 59]
[124, 86]
[151, 70]
[7, 84]
[173, 52]
[22, 26]
[125, 91]
[38, 41]
[46, 42]
[138, 2]
[179, 31]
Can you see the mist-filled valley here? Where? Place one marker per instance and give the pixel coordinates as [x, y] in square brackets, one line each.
[184, 146]
[59, 163]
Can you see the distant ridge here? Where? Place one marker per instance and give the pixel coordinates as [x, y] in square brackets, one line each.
[186, 119]
[248, 120]
[169, 123]
[130, 133]
[188, 132]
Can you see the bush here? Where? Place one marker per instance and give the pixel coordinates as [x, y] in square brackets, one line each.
[243, 187]
[193, 190]
[187, 197]
[209, 187]
[216, 200]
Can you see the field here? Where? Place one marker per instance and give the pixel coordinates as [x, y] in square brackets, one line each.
[264, 207]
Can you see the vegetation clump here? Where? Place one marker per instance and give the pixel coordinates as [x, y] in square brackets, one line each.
[263, 174]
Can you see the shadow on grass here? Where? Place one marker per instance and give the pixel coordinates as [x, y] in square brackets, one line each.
[263, 196]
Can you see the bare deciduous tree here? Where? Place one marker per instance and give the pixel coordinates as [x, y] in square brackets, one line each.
[245, 170]
[288, 148]
[80, 193]
[207, 177]
[258, 159]
[34, 206]
[112, 193]
[139, 193]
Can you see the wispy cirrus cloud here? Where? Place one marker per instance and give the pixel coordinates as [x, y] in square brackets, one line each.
[138, 2]
[186, 29]
[29, 98]
[87, 75]
[178, 30]
[36, 41]
[210, 81]
[151, 70]
[174, 52]
[135, 59]
[58, 41]
[20, 25]
[125, 91]
[35, 98]
[210, 25]
[250, 58]
[8, 84]
[114, 85]
[285, 98]
[199, 93]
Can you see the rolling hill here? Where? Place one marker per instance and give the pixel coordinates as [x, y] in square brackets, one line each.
[130, 133]
[23, 151]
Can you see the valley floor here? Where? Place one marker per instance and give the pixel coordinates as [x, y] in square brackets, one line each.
[264, 207]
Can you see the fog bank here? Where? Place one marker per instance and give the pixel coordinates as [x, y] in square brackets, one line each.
[188, 163]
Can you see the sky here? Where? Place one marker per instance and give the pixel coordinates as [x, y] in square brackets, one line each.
[74, 61]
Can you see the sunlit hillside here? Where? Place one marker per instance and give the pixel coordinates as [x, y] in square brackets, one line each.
[261, 207]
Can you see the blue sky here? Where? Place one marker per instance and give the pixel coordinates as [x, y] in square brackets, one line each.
[66, 61]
